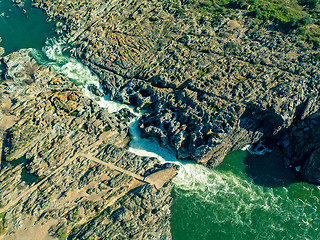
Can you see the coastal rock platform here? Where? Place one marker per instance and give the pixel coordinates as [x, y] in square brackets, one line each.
[65, 169]
[209, 83]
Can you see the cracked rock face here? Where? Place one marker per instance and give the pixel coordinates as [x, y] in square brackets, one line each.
[63, 173]
[209, 84]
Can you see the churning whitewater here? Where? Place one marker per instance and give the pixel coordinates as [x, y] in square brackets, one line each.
[52, 54]
[222, 203]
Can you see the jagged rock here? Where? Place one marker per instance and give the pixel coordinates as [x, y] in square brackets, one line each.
[95, 90]
[65, 165]
[198, 72]
[197, 80]
[311, 168]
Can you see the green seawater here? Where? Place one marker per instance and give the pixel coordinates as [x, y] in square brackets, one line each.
[23, 27]
[247, 197]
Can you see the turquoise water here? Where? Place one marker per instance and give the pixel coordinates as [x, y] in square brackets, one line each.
[233, 202]
[26, 176]
[24, 27]
[247, 197]
[21, 160]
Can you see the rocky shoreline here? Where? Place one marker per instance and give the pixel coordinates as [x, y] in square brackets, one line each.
[209, 84]
[65, 169]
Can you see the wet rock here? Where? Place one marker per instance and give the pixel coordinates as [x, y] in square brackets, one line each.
[77, 152]
[19, 3]
[311, 168]
[95, 90]
[2, 51]
[197, 80]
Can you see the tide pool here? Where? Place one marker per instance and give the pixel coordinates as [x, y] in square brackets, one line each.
[246, 198]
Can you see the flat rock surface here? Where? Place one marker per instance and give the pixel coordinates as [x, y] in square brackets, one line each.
[209, 83]
[62, 174]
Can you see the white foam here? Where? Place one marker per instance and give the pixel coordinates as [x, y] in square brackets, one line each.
[260, 149]
[147, 146]
[77, 72]
[53, 49]
[63, 64]
[191, 176]
[245, 147]
[235, 197]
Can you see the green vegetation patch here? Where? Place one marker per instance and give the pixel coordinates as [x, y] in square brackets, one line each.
[84, 126]
[2, 215]
[218, 9]
[106, 128]
[201, 73]
[285, 13]
[179, 10]
[74, 113]
[310, 33]
[297, 16]
[62, 235]
[2, 229]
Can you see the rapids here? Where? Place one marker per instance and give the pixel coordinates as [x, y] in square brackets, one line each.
[246, 197]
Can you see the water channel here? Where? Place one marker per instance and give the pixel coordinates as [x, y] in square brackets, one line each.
[247, 197]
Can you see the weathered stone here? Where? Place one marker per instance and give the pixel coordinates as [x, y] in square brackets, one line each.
[79, 174]
[311, 168]
[2, 51]
[208, 85]
[95, 90]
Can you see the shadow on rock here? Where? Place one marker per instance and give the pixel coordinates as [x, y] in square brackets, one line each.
[268, 170]
[266, 121]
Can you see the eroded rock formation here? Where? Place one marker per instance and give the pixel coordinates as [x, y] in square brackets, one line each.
[65, 169]
[209, 83]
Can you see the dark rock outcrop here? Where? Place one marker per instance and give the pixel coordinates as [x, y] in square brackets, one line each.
[65, 169]
[209, 84]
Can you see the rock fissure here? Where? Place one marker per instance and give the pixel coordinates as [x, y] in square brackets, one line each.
[268, 68]
[209, 84]
[62, 147]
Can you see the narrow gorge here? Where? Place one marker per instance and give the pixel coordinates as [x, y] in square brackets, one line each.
[156, 133]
